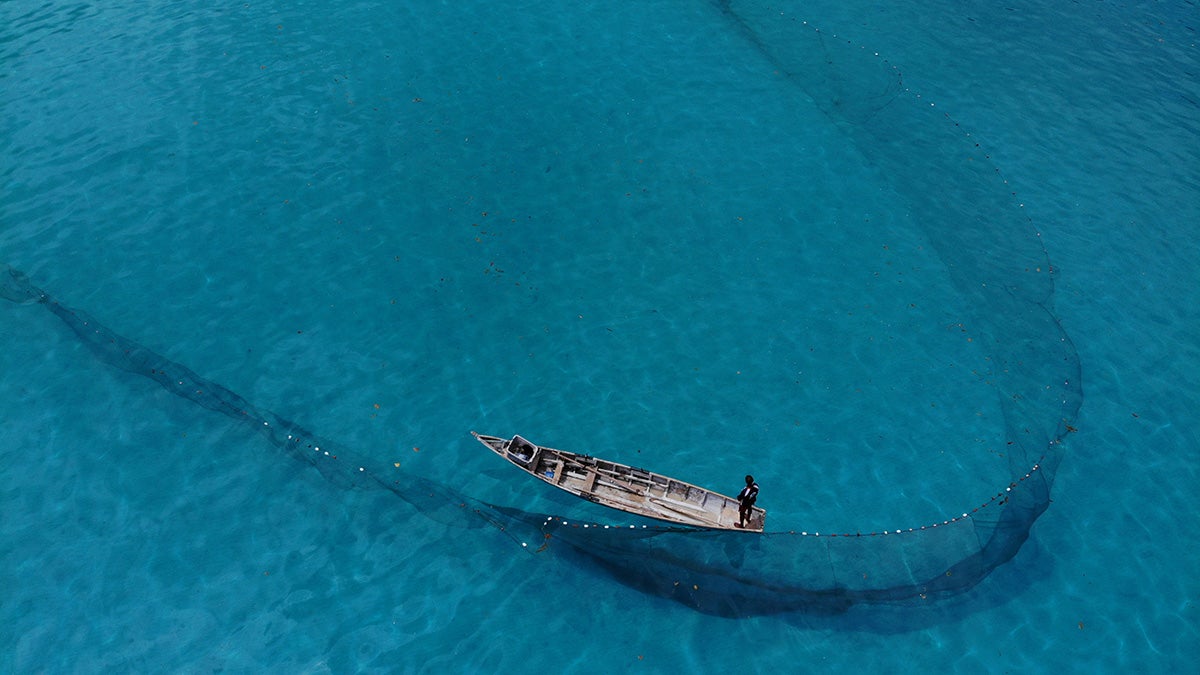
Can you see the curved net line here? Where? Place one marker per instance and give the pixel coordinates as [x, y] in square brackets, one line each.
[995, 259]
[341, 466]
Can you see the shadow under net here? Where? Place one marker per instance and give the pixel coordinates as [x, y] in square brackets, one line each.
[995, 259]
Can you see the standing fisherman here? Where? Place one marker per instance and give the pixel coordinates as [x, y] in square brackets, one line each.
[746, 499]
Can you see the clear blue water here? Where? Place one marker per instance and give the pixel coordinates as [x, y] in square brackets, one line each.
[612, 231]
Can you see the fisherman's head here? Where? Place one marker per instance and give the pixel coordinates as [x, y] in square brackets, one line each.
[749, 480]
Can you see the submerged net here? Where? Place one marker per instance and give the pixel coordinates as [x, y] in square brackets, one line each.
[995, 260]
[340, 465]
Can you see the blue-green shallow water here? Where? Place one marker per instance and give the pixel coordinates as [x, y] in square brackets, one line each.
[611, 229]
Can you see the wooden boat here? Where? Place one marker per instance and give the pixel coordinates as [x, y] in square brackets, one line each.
[624, 487]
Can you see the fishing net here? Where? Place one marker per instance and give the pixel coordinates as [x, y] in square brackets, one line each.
[995, 261]
[338, 464]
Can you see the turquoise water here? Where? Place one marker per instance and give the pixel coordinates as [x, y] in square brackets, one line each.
[621, 232]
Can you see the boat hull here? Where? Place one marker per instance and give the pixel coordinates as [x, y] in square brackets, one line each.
[623, 487]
